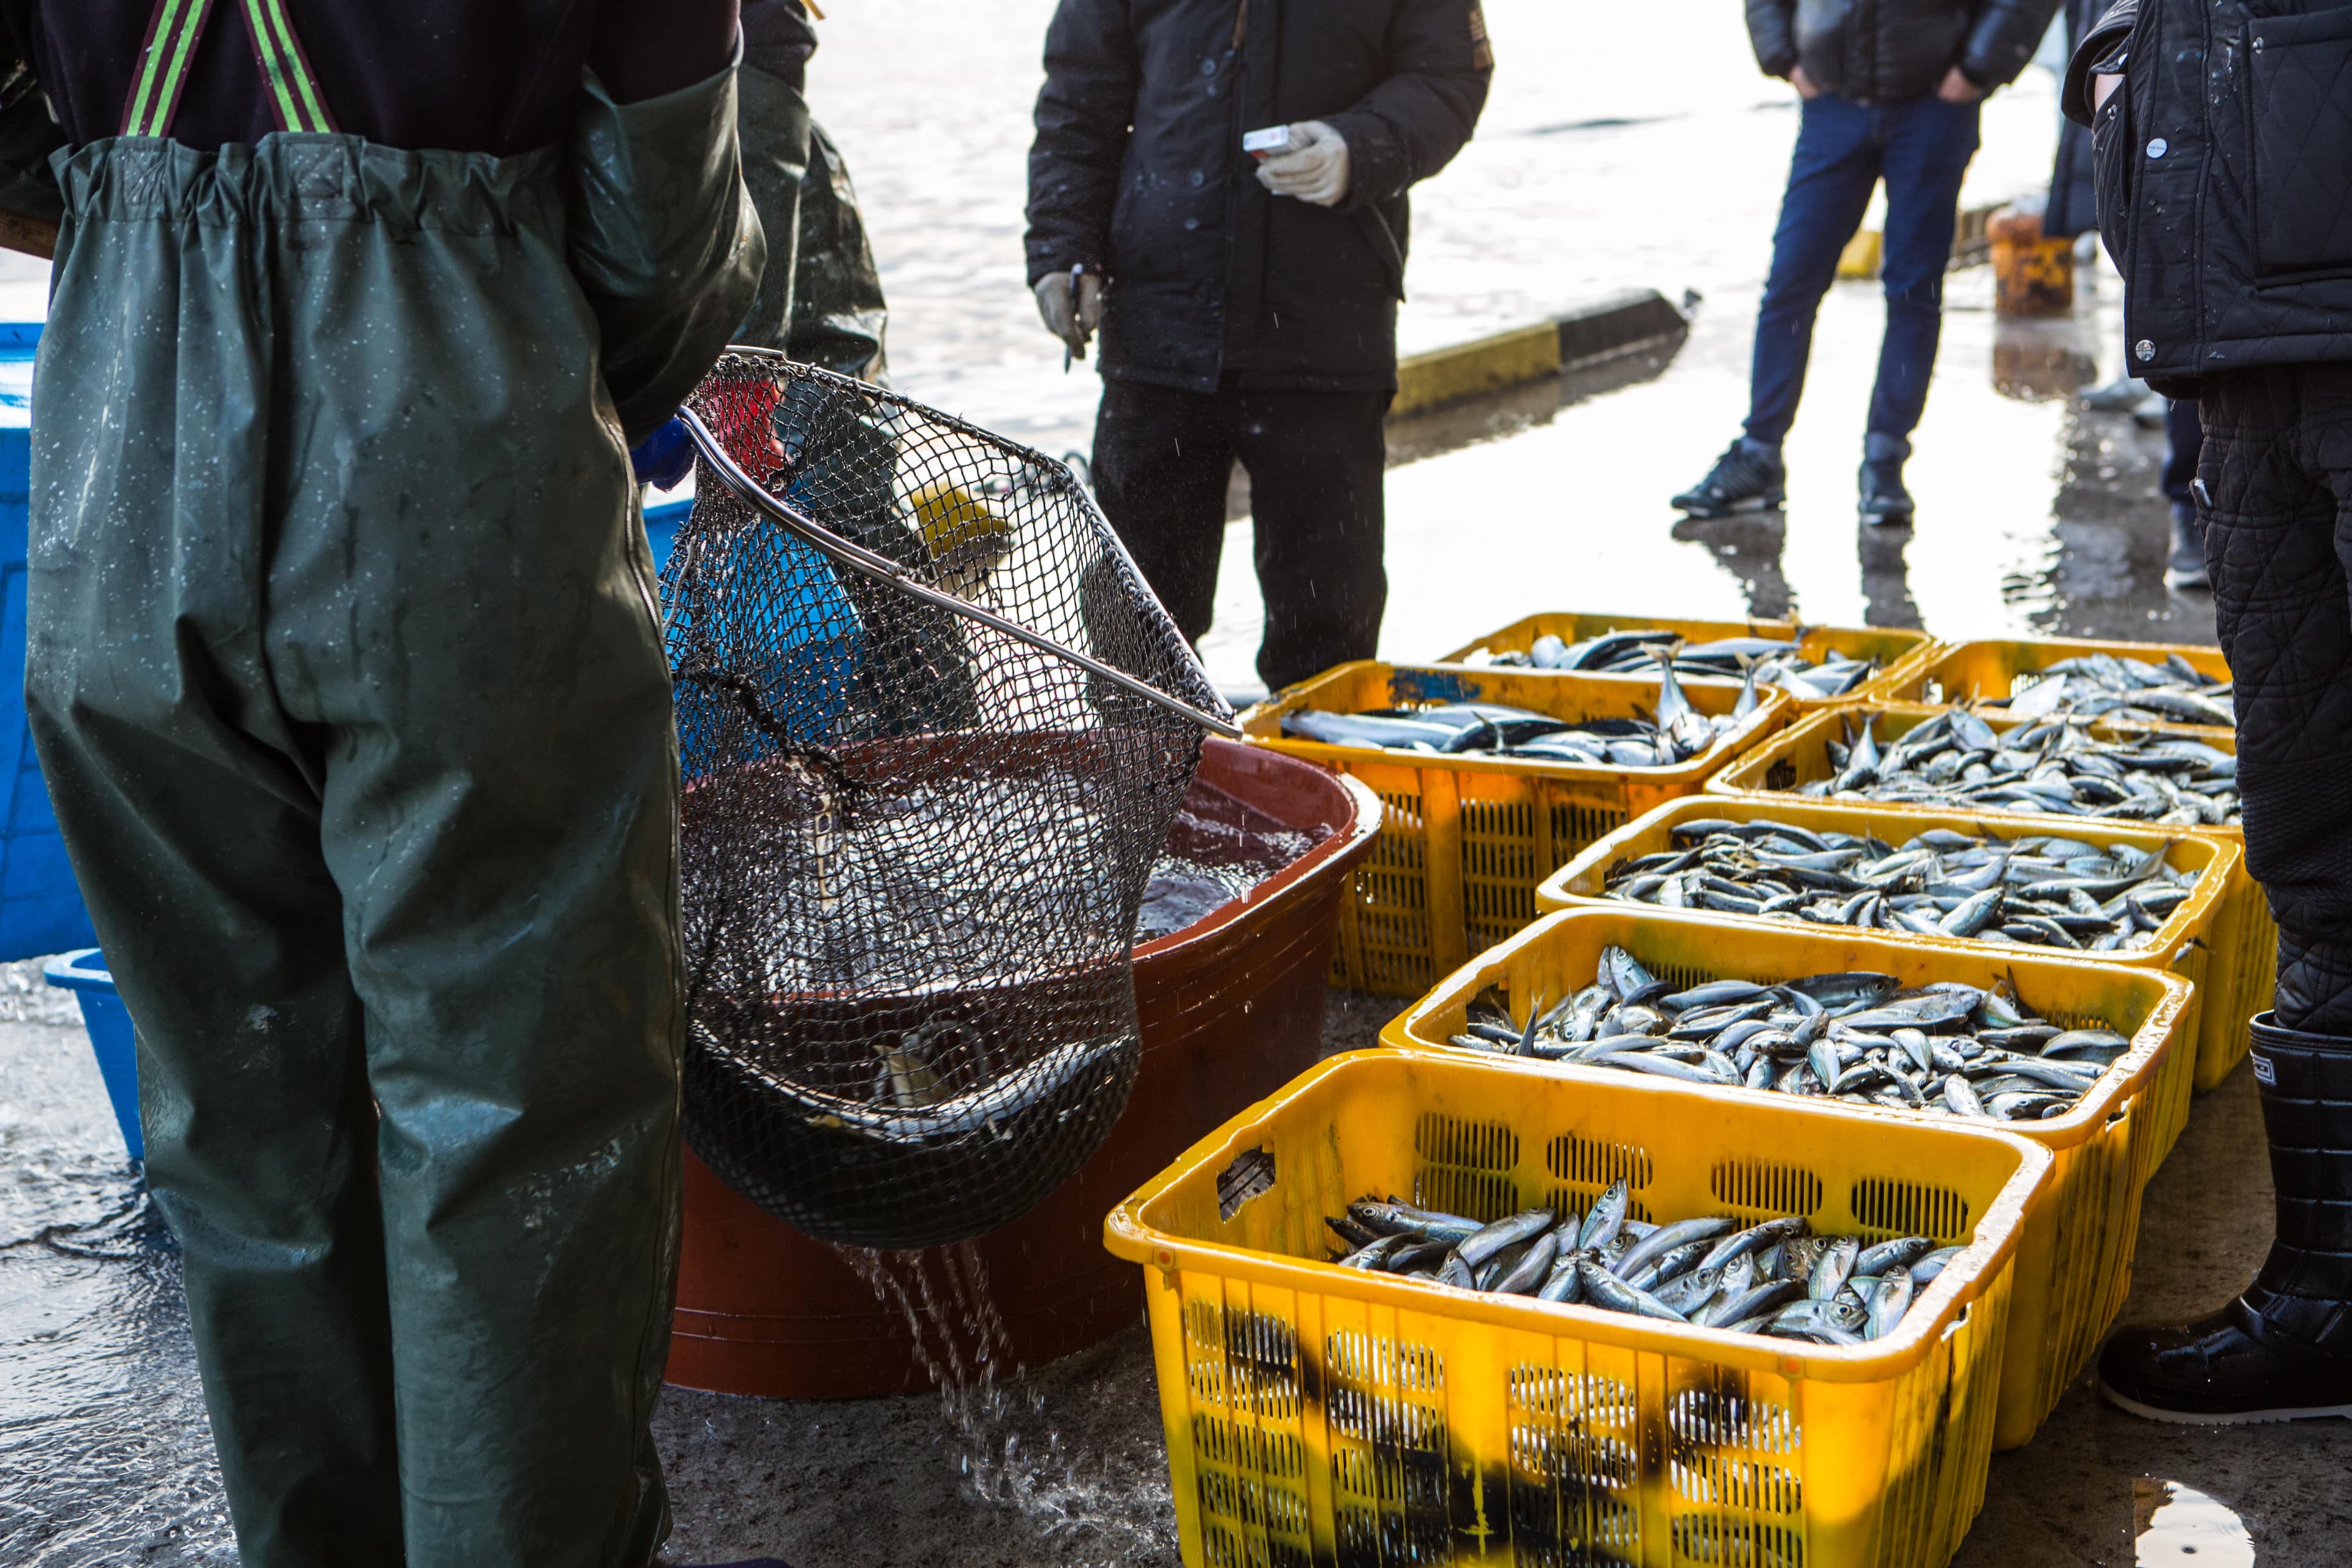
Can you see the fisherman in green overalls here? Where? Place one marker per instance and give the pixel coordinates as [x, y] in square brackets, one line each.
[347, 679]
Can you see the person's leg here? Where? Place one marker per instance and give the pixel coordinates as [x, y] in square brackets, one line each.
[839, 315]
[1317, 463]
[2278, 467]
[498, 809]
[190, 807]
[2184, 565]
[772, 128]
[1161, 467]
[1830, 176]
[1929, 145]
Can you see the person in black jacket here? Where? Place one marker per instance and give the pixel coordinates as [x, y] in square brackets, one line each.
[1891, 88]
[1246, 310]
[2224, 166]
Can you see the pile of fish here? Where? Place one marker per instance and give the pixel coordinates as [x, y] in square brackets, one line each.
[2102, 686]
[2039, 890]
[1489, 730]
[1947, 1047]
[1775, 1279]
[1776, 661]
[1956, 759]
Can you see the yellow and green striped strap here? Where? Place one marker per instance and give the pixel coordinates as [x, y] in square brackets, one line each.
[173, 32]
[294, 95]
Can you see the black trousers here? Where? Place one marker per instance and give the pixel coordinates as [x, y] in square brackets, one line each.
[2278, 465]
[1163, 461]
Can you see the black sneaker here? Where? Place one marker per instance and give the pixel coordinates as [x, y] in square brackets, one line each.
[2186, 568]
[1747, 478]
[1884, 502]
[2232, 1369]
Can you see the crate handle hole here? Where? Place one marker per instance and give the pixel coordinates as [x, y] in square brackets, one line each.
[1250, 1175]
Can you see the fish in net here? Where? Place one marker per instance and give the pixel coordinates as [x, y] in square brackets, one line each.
[934, 730]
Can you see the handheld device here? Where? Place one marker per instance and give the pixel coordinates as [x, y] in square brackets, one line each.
[1264, 144]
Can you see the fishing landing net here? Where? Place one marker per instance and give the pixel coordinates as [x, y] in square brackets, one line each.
[913, 840]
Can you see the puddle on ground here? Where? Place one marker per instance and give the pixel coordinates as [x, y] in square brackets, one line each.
[2178, 1524]
[105, 1451]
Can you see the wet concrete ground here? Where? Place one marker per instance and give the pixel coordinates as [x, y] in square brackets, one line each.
[2033, 516]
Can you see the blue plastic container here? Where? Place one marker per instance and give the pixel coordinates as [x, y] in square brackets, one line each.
[40, 904]
[661, 528]
[111, 1037]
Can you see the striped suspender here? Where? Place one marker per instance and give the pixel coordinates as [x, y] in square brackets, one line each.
[173, 32]
[294, 96]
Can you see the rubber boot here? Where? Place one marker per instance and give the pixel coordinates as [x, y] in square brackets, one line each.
[2185, 566]
[2282, 1352]
[1884, 501]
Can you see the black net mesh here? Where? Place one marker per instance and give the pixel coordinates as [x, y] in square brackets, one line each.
[913, 846]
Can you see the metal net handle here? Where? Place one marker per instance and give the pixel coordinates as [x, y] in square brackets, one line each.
[882, 569]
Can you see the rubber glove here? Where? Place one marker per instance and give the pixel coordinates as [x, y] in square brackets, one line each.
[664, 457]
[1314, 168]
[1071, 315]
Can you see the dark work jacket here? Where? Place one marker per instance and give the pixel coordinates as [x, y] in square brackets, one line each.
[2225, 182]
[1138, 171]
[2073, 208]
[469, 76]
[1884, 51]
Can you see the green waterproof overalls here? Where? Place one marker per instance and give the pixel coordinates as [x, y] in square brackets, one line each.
[346, 677]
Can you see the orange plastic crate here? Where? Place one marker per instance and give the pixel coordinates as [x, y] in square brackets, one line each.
[1317, 1414]
[2183, 944]
[1972, 671]
[1464, 840]
[2073, 1266]
[1899, 652]
[2242, 971]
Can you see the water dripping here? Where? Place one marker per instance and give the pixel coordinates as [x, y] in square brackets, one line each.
[1009, 1451]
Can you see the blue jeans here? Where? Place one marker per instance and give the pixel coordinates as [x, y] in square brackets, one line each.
[1922, 147]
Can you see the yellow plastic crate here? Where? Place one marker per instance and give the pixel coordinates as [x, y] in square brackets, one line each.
[1464, 840]
[2182, 944]
[2073, 1261]
[2242, 971]
[1972, 671]
[1318, 1414]
[1899, 652]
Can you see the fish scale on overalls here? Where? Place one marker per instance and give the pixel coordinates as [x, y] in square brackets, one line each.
[347, 682]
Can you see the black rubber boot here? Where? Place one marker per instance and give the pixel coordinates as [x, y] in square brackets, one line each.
[1883, 503]
[2186, 566]
[2282, 1352]
[1748, 477]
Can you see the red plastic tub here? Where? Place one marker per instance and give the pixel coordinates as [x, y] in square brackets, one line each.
[1232, 1010]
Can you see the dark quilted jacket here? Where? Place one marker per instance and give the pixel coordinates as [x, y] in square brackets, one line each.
[2225, 181]
[1137, 170]
[1884, 51]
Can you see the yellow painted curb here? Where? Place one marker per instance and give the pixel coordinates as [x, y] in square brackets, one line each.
[1860, 258]
[1474, 369]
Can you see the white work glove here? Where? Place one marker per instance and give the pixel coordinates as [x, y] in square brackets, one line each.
[1071, 317]
[1314, 168]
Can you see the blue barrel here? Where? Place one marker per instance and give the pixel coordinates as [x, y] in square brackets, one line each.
[111, 1037]
[40, 904]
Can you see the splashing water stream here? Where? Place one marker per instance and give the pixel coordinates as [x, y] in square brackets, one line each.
[1009, 1452]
